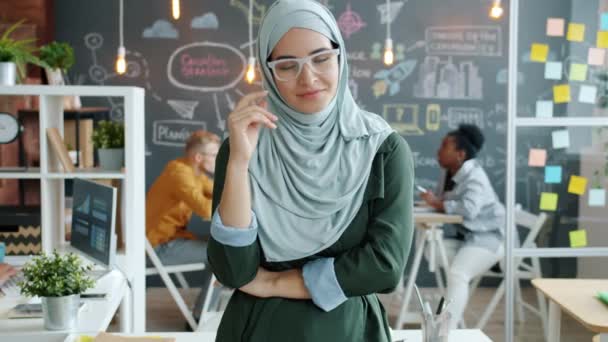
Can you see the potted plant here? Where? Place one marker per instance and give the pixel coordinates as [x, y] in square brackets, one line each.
[59, 57]
[15, 55]
[58, 280]
[109, 139]
[74, 155]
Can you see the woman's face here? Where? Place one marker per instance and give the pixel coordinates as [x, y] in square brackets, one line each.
[448, 155]
[310, 92]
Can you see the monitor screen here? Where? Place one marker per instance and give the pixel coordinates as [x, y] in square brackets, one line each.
[93, 219]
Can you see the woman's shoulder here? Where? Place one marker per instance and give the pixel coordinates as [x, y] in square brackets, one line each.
[395, 143]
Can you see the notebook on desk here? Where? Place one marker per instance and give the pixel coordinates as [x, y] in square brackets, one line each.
[105, 337]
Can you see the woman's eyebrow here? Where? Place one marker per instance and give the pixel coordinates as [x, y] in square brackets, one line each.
[311, 53]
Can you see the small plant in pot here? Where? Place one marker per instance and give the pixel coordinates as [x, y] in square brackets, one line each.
[59, 57]
[58, 280]
[15, 54]
[109, 139]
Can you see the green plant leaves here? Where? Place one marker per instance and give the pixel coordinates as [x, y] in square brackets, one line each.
[109, 134]
[57, 55]
[55, 275]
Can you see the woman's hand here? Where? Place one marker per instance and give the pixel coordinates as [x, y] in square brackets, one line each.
[244, 125]
[286, 284]
[6, 271]
[263, 285]
[432, 200]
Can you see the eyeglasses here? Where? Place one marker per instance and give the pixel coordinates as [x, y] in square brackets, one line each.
[289, 69]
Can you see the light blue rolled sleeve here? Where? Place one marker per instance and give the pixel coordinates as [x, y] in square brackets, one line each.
[322, 284]
[231, 236]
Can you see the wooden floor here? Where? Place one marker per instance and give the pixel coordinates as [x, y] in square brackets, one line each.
[163, 315]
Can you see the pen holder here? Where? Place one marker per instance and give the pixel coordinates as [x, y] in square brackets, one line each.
[436, 328]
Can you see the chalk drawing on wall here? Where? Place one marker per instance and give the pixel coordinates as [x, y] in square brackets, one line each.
[350, 22]
[259, 10]
[221, 123]
[207, 21]
[183, 108]
[230, 101]
[403, 118]
[174, 133]
[433, 117]
[206, 67]
[395, 75]
[354, 88]
[395, 9]
[502, 77]
[469, 40]
[161, 29]
[325, 3]
[465, 115]
[439, 79]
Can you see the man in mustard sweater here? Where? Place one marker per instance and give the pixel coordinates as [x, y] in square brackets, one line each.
[184, 187]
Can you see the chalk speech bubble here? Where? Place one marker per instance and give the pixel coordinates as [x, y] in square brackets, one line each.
[206, 67]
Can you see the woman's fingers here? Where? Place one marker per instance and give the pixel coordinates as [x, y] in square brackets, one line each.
[256, 114]
[250, 99]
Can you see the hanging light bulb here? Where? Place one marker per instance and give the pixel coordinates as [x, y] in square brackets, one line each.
[121, 63]
[496, 11]
[175, 10]
[250, 76]
[389, 57]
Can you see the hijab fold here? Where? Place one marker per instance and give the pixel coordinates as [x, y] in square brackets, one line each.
[309, 175]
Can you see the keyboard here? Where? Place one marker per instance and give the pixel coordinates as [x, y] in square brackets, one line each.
[10, 287]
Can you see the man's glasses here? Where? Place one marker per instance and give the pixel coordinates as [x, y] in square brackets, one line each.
[289, 69]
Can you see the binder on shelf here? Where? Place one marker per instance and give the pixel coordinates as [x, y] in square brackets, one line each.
[57, 145]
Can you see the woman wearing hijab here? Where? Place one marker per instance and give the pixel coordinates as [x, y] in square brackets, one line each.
[313, 195]
[467, 191]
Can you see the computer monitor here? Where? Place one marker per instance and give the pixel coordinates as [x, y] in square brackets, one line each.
[93, 221]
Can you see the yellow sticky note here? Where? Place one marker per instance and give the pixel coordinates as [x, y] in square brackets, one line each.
[548, 201]
[577, 185]
[578, 72]
[561, 93]
[578, 238]
[539, 52]
[602, 39]
[576, 32]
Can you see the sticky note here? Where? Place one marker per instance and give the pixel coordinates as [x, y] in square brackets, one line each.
[597, 197]
[553, 174]
[555, 27]
[561, 139]
[561, 93]
[604, 21]
[539, 52]
[544, 109]
[587, 94]
[578, 238]
[578, 72]
[602, 39]
[596, 56]
[553, 70]
[577, 185]
[548, 201]
[576, 32]
[537, 157]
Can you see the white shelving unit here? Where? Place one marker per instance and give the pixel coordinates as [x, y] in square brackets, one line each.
[515, 122]
[131, 260]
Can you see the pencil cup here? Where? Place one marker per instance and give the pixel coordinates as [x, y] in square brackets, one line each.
[436, 328]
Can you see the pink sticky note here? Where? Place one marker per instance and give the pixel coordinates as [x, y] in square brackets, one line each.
[596, 56]
[537, 157]
[555, 27]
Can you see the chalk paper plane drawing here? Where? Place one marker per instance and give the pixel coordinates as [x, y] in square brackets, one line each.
[185, 109]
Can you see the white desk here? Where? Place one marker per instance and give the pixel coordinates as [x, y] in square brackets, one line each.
[428, 233]
[468, 335]
[94, 316]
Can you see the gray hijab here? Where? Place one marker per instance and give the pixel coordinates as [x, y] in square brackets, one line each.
[309, 175]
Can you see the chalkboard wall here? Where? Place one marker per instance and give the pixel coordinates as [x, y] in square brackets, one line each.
[450, 68]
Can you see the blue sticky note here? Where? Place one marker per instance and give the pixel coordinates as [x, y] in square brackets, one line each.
[604, 22]
[553, 174]
[553, 70]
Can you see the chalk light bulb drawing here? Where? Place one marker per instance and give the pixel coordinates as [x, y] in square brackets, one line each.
[389, 57]
[250, 75]
[175, 9]
[121, 62]
[496, 11]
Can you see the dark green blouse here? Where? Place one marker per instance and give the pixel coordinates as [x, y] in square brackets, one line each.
[370, 257]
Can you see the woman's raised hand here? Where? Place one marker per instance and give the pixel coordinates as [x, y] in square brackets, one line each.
[244, 124]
